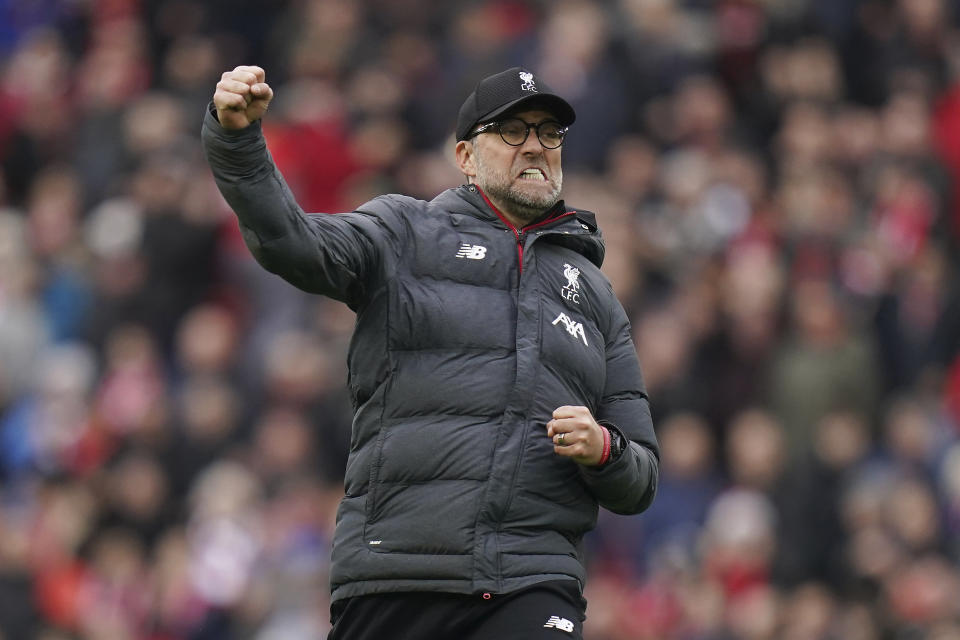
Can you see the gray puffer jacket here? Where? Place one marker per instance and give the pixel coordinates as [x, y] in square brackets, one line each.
[468, 335]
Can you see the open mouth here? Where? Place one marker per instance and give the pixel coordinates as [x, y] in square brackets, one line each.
[533, 174]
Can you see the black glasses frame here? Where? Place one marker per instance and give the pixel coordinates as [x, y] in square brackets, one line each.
[497, 125]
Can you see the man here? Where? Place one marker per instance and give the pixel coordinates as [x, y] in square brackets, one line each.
[498, 399]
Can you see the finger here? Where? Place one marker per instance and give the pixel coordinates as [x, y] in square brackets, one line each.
[579, 452]
[229, 100]
[568, 411]
[234, 86]
[262, 91]
[555, 427]
[564, 440]
[259, 75]
[568, 424]
[245, 77]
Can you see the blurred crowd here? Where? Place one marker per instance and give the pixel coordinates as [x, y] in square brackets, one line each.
[774, 179]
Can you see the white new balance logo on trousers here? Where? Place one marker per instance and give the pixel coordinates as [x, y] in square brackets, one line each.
[556, 622]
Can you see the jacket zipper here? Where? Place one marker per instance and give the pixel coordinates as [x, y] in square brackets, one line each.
[521, 234]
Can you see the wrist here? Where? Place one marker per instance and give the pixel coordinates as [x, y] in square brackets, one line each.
[215, 124]
[605, 454]
[618, 442]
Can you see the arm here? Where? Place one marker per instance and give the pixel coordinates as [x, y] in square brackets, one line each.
[626, 483]
[333, 255]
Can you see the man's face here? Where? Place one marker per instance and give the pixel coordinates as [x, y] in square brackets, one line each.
[524, 181]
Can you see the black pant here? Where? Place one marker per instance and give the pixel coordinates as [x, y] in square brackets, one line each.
[549, 611]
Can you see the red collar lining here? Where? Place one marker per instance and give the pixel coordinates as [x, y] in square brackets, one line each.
[510, 224]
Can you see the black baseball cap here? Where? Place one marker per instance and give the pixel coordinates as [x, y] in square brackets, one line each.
[503, 91]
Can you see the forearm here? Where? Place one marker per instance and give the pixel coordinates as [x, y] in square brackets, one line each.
[250, 181]
[327, 254]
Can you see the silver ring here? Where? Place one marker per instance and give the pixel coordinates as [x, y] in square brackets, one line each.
[560, 439]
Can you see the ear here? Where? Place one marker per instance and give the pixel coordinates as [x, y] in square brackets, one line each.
[466, 159]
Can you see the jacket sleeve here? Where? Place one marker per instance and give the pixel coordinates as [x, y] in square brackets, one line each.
[334, 255]
[628, 484]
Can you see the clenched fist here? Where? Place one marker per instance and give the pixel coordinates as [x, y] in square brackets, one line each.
[576, 435]
[242, 97]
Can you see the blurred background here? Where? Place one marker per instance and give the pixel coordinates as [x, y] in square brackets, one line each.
[775, 180]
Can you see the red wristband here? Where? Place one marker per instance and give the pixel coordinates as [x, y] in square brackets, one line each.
[606, 446]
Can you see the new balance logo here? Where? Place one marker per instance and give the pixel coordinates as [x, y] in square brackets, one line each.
[556, 622]
[472, 251]
[574, 328]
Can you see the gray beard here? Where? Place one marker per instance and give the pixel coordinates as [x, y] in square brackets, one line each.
[523, 206]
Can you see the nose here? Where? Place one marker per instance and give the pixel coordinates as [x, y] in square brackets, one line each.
[532, 143]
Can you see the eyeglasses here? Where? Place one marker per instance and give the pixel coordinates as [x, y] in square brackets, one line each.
[515, 131]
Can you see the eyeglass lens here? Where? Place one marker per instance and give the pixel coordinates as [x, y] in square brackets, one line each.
[514, 132]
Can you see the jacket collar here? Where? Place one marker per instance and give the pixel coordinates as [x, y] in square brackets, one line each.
[582, 233]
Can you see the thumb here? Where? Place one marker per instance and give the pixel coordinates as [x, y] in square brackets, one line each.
[261, 94]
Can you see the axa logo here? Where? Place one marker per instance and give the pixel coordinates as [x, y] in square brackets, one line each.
[556, 622]
[571, 291]
[526, 81]
[472, 251]
[573, 327]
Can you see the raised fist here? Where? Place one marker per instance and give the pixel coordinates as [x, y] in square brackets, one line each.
[242, 97]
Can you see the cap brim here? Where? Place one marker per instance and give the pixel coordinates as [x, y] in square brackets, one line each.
[550, 102]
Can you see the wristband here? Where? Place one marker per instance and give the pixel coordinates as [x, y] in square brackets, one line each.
[606, 446]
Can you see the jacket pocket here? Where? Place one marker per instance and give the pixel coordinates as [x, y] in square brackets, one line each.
[370, 511]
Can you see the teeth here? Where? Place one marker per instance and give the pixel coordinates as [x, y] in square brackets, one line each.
[533, 173]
